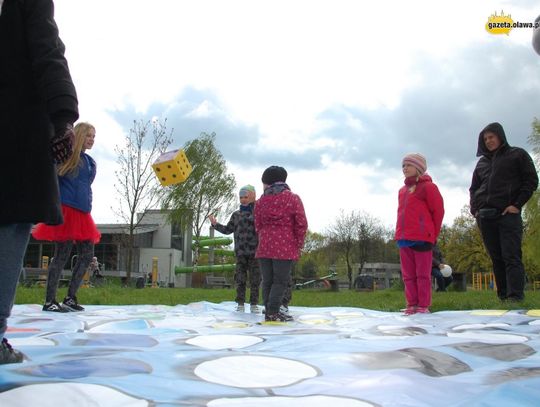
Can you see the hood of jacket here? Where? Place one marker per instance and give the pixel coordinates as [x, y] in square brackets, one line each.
[496, 128]
[410, 181]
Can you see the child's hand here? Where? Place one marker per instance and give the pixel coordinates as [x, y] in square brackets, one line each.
[212, 220]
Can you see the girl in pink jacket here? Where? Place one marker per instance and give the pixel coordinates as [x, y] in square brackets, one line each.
[281, 224]
[419, 219]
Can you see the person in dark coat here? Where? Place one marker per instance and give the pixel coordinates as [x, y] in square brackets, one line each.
[242, 224]
[437, 264]
[38, 106]
[503, 181]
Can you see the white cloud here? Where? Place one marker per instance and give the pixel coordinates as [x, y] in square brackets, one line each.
[335, 91]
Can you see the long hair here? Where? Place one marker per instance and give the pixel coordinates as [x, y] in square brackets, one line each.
[81, 130]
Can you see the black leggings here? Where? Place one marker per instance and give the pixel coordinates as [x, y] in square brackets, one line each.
[62, 250]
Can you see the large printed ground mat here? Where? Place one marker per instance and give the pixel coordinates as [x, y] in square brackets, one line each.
[206, 354]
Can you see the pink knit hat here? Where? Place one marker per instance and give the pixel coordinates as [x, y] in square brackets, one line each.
[417, 160]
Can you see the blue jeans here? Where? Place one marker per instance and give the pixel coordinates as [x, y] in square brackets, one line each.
[275, 279]
[502, 237]
[14, 239]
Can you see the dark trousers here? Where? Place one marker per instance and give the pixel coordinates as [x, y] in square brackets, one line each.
[62, 250]
[275, 279]
[442, 281]
[502, 237]
[247, 268]
[287, 295]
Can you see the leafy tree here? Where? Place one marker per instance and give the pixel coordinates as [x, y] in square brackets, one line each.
[136, 184]
[531, 215]
[313, 242]
[208, 190]
[462, 245]
[309, 269]
[312, 256]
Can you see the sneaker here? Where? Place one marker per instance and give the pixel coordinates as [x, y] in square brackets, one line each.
[254, 309]
[54, 307]
[286, 317]
[240, 308]
[71, 304]
[284, 310]
[422, 310]
[410, 310]
[8, 354]
[277, 317]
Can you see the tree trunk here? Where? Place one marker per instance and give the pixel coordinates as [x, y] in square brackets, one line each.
[129, 265]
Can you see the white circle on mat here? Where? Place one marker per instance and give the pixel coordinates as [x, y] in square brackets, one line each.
[216, 342]
[80, 394]
[279, 401]
[254, 371]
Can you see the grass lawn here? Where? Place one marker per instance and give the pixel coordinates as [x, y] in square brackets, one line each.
[382, 300]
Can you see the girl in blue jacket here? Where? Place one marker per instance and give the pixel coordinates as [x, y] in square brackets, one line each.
[75, 178]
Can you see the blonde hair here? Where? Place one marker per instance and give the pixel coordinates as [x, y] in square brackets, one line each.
[81, 130]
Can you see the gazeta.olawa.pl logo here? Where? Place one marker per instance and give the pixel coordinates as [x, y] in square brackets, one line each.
[502, 24]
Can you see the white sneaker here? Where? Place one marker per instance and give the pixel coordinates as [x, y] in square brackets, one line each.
[240, 308]
[284, 310]
[254, 309]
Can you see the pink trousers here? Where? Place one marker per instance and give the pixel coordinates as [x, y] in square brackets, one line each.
[416, 274]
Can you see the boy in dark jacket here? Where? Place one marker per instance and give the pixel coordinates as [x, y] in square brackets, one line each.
[503, 181]
[242, 224]
[437, 264]
[38, 106]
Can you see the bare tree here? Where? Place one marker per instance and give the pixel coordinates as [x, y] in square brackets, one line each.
[342, 235]
[136, 182]
[369, 232]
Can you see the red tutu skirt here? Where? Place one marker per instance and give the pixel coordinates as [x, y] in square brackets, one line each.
[77, 226]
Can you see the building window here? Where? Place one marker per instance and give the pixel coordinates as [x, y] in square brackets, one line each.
[177, 236]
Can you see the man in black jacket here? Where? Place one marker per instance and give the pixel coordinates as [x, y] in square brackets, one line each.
[38, 105]
[503, 181]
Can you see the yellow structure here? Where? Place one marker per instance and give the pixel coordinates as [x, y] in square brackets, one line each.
[86, 278]
[483, 281]
[172, 167]
[154, 272]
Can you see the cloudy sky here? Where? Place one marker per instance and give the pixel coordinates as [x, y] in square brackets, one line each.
[335, 91]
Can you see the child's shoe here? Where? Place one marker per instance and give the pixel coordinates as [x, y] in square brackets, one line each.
[240, 308]
[284, 310]
[410, 310]
[277, 317]
[71, 304]
[422, 310]
[254, 309]
[53, 306]
[8, 354]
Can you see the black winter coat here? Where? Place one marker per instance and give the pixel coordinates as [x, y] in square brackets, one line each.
[36, 93]
[242, 224]
[501, 178]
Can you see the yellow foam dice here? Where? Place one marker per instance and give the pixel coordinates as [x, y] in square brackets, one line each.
[172, 167]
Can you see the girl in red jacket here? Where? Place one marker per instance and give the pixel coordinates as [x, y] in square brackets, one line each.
[281, 224]
[419, 220]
